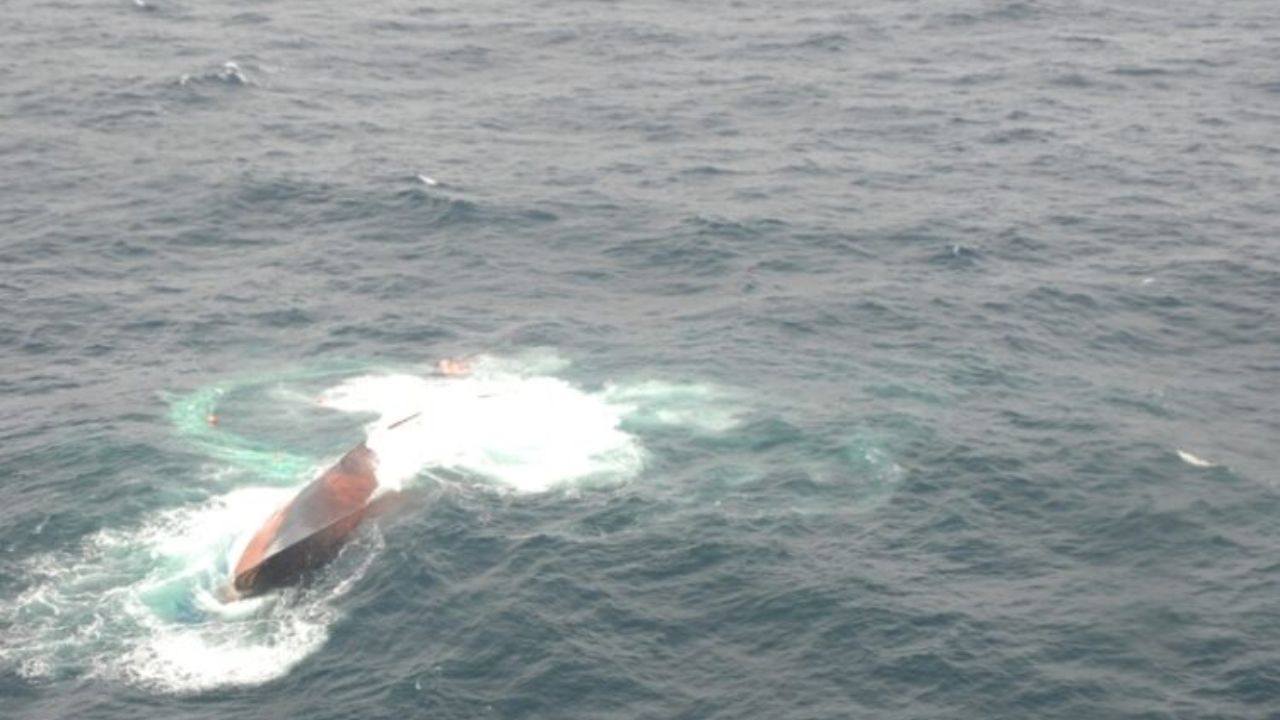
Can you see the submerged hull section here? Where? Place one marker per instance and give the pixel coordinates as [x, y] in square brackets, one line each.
[310, 530]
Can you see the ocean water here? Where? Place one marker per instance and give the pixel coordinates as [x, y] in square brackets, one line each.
[832, 360]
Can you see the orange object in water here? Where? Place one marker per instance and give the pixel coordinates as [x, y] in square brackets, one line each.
[454, 366]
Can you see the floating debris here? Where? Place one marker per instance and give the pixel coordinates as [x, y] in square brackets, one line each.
[1195, 460]
[231, 73]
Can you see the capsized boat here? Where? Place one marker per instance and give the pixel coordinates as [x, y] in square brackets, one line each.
[312, 527]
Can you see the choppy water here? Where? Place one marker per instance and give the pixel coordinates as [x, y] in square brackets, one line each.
[895, 360]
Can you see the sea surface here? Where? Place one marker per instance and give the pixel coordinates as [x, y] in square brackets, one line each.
[830, 360]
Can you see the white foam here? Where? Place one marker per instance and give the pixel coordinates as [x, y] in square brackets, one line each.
[527, 434]
[182, 659]
[694, 405]
[141, 605]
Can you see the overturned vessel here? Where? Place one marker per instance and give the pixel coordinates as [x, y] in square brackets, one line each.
[311, 528]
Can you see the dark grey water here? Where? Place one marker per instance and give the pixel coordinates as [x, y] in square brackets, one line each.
[894, 360]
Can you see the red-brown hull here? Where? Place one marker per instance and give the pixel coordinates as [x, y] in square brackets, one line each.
[310, 529]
